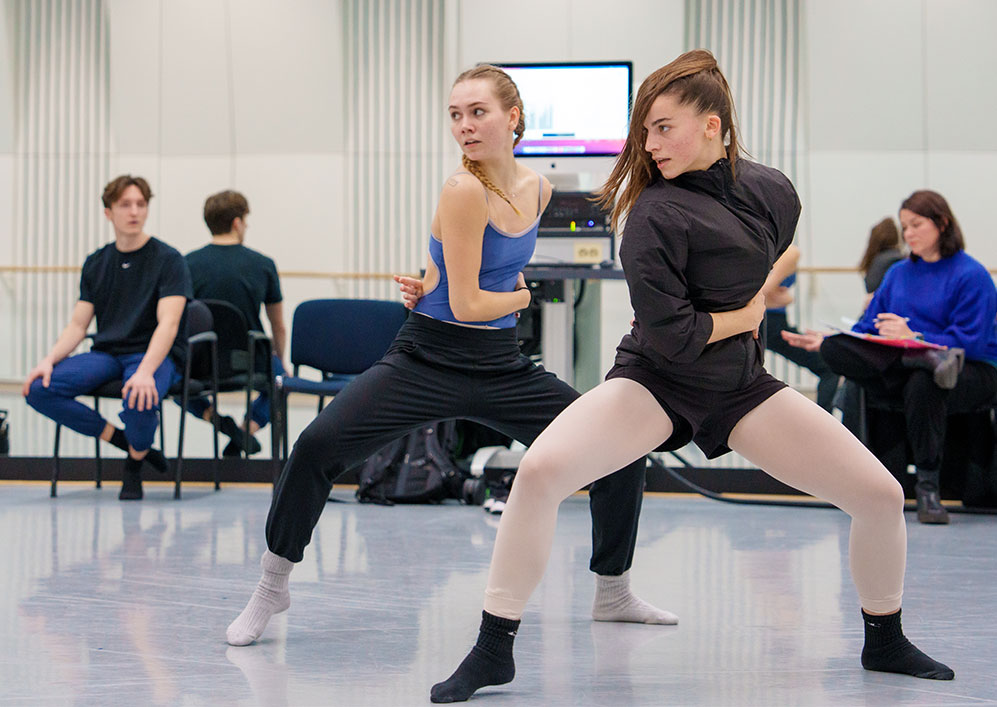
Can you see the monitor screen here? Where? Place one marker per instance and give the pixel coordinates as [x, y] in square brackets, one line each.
[573, 109]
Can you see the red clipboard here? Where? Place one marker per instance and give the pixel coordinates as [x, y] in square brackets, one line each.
[895, 343]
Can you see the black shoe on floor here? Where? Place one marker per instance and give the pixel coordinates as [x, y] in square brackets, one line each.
[131, 482]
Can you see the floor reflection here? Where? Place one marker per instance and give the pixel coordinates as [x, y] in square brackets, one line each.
[109, 603]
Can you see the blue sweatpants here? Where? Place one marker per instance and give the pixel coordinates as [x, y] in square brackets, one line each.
[259, 411]
[80, 374]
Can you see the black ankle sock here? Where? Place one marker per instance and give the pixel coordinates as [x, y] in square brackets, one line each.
[131, 480]
[155, 458]
[489, 662]
[228, 427]
[119, 440]
[888, 650]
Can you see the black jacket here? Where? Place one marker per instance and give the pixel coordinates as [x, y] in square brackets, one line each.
[703, 242]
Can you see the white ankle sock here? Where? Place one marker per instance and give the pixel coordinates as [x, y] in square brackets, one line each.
[615, 602]
[271, 597]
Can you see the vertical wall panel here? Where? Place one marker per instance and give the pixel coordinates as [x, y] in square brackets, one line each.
[62, 162]
[394, 88]
[757, 45]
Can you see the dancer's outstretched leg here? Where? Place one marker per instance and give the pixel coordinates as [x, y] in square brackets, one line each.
[523, 410]
[605, 429]
[271, 597]
[799, 444]
[348, 430]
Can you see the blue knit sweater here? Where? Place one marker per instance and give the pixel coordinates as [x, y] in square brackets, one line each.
[952, 302]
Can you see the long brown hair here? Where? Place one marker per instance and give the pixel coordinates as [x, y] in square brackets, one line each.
[932, 205]
[694, 79]
[883, 236]
[507, 94]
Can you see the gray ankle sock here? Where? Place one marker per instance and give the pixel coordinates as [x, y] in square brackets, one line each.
[615, 602]
[271, 597]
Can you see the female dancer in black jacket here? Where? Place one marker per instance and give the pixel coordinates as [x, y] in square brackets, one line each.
[703, 229]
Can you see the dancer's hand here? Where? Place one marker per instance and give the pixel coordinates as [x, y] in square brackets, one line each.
[755, 311]
[43, 370]
[411, 289]
[810, 341]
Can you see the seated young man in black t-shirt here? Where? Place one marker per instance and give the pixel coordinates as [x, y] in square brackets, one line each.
[227, 270]
[137, 287]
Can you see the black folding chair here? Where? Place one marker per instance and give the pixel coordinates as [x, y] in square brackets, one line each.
[200, 376]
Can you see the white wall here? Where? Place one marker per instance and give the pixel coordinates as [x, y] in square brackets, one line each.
[209, 94]
[244, 95]
[900, 98]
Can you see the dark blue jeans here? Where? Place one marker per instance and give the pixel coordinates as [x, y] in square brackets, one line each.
[80, 374]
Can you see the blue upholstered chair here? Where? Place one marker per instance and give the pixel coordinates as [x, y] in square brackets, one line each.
[340, 338]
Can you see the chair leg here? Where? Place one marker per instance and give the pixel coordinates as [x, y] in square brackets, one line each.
[214, 397]
[55, 461]
[245, 421]
[275, 427]
[214, 424]
[178, 468]
[99, 473]
[283, 414]
[162, 432]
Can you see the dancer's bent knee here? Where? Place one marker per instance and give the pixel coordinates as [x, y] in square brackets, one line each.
[543, 477]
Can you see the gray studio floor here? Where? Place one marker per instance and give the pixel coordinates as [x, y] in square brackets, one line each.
[104, 603]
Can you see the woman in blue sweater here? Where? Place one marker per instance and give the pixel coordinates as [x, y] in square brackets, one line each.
[941, 295]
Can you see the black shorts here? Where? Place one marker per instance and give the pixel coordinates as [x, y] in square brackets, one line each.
[705, 417]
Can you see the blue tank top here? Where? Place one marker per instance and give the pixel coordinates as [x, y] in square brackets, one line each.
[503, 257]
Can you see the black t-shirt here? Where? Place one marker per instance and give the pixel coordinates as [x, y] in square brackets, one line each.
[235, 274]
[125, 288]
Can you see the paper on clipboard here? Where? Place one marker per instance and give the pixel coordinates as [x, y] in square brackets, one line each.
[887, 341]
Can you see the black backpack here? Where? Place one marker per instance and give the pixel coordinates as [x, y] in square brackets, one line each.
[418, 468]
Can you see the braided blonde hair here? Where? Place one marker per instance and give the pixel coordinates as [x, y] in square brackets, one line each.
[508, 96]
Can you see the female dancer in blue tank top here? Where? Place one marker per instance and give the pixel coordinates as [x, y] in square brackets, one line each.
[456, 357]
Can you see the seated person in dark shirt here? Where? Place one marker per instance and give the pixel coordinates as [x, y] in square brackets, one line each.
[227, 270]
[882, 251]
[137, 287]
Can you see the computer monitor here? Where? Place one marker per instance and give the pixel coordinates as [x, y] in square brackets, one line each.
[573, 109]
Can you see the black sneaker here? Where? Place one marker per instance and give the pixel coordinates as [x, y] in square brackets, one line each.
[131, 485]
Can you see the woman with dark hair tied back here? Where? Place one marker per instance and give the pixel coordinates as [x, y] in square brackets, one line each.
[942, 295]
[881, 252]
[456, 356]
[703, 229]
